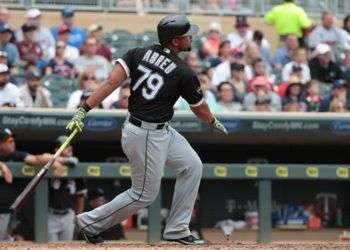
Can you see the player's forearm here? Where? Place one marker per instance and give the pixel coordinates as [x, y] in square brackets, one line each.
[114, 80]
[203, 113]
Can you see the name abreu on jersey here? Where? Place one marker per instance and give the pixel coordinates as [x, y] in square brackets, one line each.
[160, 61]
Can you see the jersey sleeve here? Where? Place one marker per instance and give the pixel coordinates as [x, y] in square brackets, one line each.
[126, 61]
[191, 91]
[18, 156]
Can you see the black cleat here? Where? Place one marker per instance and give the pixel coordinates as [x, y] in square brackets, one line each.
[95, 239]
[188, 240]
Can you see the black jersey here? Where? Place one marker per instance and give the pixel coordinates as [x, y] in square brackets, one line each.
[158, 79]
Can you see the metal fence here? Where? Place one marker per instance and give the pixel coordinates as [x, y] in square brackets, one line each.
[215, 7]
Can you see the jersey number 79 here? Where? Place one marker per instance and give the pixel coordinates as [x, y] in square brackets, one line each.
[154, 82]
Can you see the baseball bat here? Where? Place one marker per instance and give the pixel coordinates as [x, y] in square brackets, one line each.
[30, 188]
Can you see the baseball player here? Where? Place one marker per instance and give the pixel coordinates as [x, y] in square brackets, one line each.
[158, 78]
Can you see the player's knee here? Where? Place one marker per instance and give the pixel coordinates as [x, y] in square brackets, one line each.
[197, 167]
[147, 194]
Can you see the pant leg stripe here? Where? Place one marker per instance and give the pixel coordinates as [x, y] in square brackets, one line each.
[143, 188]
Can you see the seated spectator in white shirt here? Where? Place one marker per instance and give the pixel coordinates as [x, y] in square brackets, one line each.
[9, 93]
[226, 99]
[70, 53]
[327, 33]
[59, 65]
[33, 95]
[87, 82]
[298, 65]
[243, 35]
[261, 90]
[90, 61]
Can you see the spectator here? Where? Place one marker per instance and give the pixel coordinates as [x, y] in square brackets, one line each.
[90, 61]
[222, 72]
[258, 68]
[322, 67]
[339, 92]
[9, 188]
[283, 53]
[64, 196]
[59, 65]
[252, 55]
[9, 93]
[212, 42]
[294, 98]
[97, 198]
[209, 97]
[298, 65]
[288, 18]
[313, 99]
[70, 53]
[192, 61]
[123, 102]
[4, 20]
[337, 106]
[242, 36]
[327, 33]
[87, 83]
[4, 15]
[29, 50]
[238, 81]
[261, 90]
[346, 32]
[226, 98]
[76, 35]
[258, 38]
[96, 31]
[224, 54]
[7, 46]
[33, 95]
[262, 104]
[42, 35]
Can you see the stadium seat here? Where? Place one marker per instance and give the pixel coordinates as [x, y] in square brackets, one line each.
[60, 88]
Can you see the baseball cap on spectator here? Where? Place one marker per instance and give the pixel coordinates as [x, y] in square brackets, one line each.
[3, 68]
[33, 13]
[241, 21]
[33, 74]
[5, 134]
[340, 83]
[237, 67]
[63, 29]
[215, 26]
[27, 28]
[260, 81]
[4, 27]
[95, 27]
[67, 12]
[321, 49]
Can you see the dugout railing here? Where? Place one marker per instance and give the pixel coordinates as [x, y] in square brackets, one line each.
[264, 175]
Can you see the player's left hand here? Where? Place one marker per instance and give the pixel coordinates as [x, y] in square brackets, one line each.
[77, 122]
[218, 126]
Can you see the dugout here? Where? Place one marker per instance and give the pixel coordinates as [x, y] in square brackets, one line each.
[277, 138]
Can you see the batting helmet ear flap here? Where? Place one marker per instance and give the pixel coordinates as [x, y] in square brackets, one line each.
[173, 26]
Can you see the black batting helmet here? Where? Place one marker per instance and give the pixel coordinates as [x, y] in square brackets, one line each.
[173, 26]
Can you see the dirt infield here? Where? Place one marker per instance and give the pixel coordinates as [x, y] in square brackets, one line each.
[325, 239]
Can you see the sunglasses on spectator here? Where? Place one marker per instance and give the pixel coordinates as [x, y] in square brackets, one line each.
[85, 78]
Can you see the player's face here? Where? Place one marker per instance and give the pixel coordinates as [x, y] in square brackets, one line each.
[8, 146]
[185, 43]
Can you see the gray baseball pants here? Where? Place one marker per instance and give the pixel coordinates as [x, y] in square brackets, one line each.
[60, 227]
[149, 150]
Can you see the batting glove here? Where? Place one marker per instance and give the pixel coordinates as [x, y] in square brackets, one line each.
[77, 122]
[218, 126]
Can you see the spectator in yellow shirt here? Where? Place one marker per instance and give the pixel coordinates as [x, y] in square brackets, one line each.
[288, 18]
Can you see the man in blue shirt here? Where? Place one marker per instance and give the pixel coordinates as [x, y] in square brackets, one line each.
[6, 46]
[77, 35]
[282, 56]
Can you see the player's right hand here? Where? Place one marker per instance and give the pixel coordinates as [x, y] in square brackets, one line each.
[77, 122]
[218, 126]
